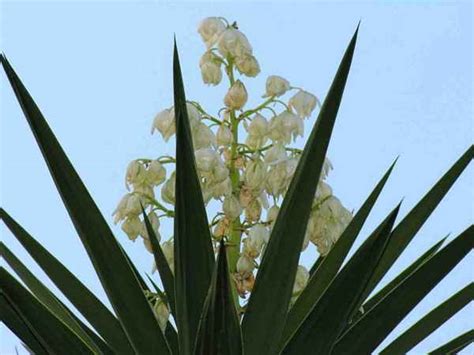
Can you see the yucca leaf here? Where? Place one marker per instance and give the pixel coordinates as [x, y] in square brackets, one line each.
[330, 264]
[45, 296]
[13, 321]
[400, 277]
[327, 319]
[455, 345]
[162, 266]
[194, 255]
[57, 336]
[219, 329]
[370, 330]
[115, 274]
[430, 322]
[98, 315]
[263, 322]
[414, 220]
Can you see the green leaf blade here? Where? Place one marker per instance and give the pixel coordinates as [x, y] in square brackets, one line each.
[430, 322]
[219, 330]
[264, 321]
[334, 309]
[116, 276]
[455, 345]
[329, 265]
[194, 255]
[371, 329]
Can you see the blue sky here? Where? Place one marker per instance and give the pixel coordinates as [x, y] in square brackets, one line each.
[101, 70]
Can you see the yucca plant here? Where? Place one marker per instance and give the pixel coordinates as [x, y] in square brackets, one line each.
[334, 314]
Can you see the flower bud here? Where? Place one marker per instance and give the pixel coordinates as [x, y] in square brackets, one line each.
[164, 123]
[236, 97]
[247, 65]
[276, 86]
[156, 173]
[224, 136]
[231, 207]
[162, 313]
[210, 29]
[233, 43]
[210, 69]
[303, 103]
[253, 211]
[132, 226]
[245, 265]
[255, 172]
[167, 190]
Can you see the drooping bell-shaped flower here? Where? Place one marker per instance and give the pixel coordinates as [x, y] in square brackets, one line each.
[210, 29]
[254, 175]
[245, 265]
[164, 123]
[203, 137]
[233, 43]
[132, 226]
[211, 72]
[135, 174]
[155, 225]
[276, 86]
[206, 159]
[247, 65]
[236, 97]
[303, 103]
[253, 211]
[156, 173]
[275, 155]
[224, 135]
[162, 313]
[167, 190]
[168, 252]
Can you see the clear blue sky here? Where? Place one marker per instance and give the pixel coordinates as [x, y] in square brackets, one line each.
[101, 70]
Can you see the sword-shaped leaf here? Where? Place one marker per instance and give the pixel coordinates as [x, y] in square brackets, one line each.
[430, 322]
[330, 264]
[96, 313]
[162, 266]
[194, 256]
[56, 335]
[455, 345]
[370, 330]
[327, 319]
[14, 322]
[115, 274]
[45, 296]
[264, 321]
[219, 328]
[414, 220]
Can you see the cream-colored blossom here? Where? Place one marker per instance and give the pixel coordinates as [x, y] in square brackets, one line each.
[236, 97]
[164, 123]
[233, 43]
[303, 103]
[301, 279]
[210, 30]
[167, 190]
[224, 135]
[247, 65]
[168, 252]
[132, 226]
[245, 265]
[156, 173]
[210, 66]
[231, 207]
[162, 313]
[276, 86]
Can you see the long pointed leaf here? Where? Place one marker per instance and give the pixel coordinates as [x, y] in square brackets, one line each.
[332, 312]
[414, 220]
[264, 321]
[164, 270]
[56, 335]
[194, 255]
[119, 281]
[98, 315]
[329, 266]
[370, 330]
[219, 329]
[430, 322]
[13, 321]
[455, 345]
[44, 295]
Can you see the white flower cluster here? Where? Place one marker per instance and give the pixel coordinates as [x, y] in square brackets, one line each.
[246, 178]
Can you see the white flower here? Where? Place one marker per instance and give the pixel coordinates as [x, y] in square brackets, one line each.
[236, 97]
[224, 135]
[233, 43]
[210, 69]
[120, 211]
[155, 225]
[276, 86]
[253, 211]
[132, 226]
[156, 173]
[231, 207]
[164, 123]
[303, 103]
[168, 252]
[162, 313]
[272, 214]
[284, 126]
[223, 188]
[257, 132]
[254, 175]
[245, 265]
[247, 65]
[134, 205]
[327, 167]
[206, 159]
[259, 233]
[135, 173]
[203, 136]
[301, 279]
[276, 180]
[167, 190]
[275, 155]
[210, 29]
